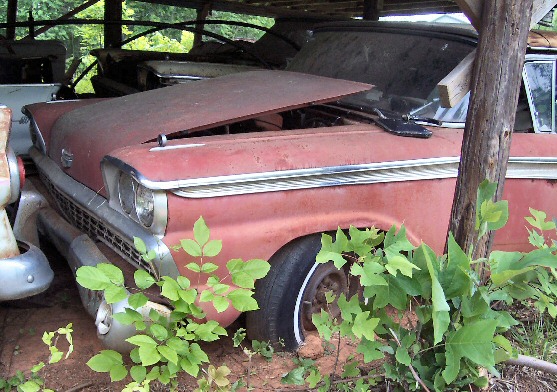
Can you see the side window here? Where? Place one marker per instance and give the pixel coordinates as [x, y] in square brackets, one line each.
[539, 81]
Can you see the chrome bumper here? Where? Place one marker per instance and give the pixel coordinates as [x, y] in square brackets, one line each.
[24, 275]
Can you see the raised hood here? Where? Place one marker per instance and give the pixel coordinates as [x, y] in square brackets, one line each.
[91, 132]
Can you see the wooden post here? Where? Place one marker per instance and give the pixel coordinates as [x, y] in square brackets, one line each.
[372, 8]
[202, 14]
[11, 17]
[113, 31]
[491, 113]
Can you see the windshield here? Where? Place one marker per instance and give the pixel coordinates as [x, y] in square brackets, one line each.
[404, 66]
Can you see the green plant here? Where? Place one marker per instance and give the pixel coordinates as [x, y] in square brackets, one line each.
[167, 344]
[34, 382]
[430, 315]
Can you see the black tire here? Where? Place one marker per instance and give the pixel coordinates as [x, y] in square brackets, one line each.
[283, 295]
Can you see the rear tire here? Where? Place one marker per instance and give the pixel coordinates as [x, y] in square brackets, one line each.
[293, 291]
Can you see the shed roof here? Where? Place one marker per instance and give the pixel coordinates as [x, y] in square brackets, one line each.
[321, 8]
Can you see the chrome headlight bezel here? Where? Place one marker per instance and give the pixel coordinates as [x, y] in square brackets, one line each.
[126, 192]
[145, 205]
[116, 177]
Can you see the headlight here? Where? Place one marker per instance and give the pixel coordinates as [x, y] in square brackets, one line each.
[126, 192]
[144, 205]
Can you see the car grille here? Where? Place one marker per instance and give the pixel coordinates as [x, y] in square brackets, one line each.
[95, 227]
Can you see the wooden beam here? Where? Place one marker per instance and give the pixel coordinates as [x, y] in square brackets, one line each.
[473, 11]
[11, 17]
[202, 14]
[113, 31]
[457, 84]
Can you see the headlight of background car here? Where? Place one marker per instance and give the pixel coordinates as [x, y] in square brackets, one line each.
[126, 192]
[144, 205]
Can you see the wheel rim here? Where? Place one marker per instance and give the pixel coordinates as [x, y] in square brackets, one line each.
[326, 278]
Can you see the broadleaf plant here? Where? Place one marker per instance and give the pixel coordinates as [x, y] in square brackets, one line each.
[429, 314]
[166, 343]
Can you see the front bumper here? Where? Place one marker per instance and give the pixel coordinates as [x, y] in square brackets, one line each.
[24, 275]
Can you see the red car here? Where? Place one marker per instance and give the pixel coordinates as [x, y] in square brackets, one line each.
[272, 159]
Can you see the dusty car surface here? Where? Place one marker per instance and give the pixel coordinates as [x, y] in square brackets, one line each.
[272, 159]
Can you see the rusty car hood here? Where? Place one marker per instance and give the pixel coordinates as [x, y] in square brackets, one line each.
[89, 133]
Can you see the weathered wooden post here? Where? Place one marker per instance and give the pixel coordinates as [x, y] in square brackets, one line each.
[489, 125]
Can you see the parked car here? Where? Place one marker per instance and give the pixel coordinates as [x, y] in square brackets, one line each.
[24, 269]
[272, 159]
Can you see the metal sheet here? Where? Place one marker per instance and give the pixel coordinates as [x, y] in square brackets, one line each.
[93, 131]
[141, 117]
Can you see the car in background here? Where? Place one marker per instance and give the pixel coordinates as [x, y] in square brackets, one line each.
[273, 159]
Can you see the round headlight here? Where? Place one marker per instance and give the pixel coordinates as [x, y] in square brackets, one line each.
[144, 205]
[126, 192]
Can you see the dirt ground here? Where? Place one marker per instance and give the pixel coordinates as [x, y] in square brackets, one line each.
[22, 324]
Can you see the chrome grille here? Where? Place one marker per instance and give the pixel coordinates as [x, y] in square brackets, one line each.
[95, 227]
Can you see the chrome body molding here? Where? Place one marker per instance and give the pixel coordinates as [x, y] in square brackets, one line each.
[394, 171]
[91, 213]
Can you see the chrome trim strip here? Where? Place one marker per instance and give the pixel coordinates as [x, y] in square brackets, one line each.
[165, 148]
[394, 171]
[97, 206]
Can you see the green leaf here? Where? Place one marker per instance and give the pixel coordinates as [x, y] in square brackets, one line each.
[139, 245]
[118, 372]
[441, 321]
[112, 272]
[397, 242]
[201, 232]
[138, 373]
[191, 247]
[193, 267]
[364, 326]
[105, 360]
[92, 278]
[188, 296]
[170, 288]
[392, 294]
[141, 340]
[242, 300]
[454, 279]
[369, 273]
[143, 279]
[149, 355]
[333, 251]
[474, 342]
[348, 308]
[168, 353]
[220, 304]
[370, 350]
[29, 386]
[128, 317]
[158, 331]
[539, 220]
[314, 378]
[294, 377]
[137, 300]
[183, 282]
[113, 294]
[244, 274]
[212, 248]
[206, 296]
[402, 356]
[400, 263]
[209, 267]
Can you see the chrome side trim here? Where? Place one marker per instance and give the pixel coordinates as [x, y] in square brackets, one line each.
[97, 207]
[394, 171]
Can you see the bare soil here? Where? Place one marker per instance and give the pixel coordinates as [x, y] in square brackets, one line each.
[22, 324]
